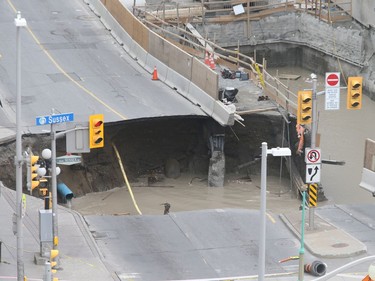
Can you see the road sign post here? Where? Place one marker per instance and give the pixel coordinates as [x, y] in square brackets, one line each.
[51, 120]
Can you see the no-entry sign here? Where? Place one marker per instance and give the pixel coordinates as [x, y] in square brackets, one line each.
[333, 79]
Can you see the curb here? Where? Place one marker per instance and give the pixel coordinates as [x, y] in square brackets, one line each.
[82, 225]
[361, 249]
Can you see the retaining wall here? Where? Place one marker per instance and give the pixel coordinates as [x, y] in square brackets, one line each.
[350, 43]
[187, 75]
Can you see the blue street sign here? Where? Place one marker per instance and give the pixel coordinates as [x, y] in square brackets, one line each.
[55, 118]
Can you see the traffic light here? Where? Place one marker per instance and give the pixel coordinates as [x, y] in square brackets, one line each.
[354, 97]
[53, 262]
[96, 130]
[33, 175]
[304, 111]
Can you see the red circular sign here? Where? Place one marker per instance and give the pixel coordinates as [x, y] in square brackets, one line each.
[313, 156]
[332, 79]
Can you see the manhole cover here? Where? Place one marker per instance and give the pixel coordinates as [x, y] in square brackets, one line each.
[340, 245]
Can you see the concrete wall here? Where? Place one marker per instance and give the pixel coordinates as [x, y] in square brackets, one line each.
[364, 11]
[351, 43]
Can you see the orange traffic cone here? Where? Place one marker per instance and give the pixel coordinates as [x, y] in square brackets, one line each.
[155, 74]
[212, 61]
[206, 59]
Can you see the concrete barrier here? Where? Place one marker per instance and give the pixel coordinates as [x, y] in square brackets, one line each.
[197, 82]
[198, 96]
[223, 114]
[178, 82]
[141, 55]
[162, 69]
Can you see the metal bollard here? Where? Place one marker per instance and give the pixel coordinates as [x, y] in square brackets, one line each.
[1, 243]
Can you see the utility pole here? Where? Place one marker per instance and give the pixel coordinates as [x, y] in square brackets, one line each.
[19, 22]
[314, 125]
[302, 246]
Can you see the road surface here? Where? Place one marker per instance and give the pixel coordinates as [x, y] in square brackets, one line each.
[71, 63]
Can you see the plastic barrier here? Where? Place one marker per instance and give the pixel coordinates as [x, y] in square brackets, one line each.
[64, 191]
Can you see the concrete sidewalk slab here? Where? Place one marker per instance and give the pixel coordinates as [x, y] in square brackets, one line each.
[79, 257]
[325, 240]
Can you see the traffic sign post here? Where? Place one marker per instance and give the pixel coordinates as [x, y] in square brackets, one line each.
[51, 120]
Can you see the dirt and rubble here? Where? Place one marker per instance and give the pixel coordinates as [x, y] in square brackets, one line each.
[146, 146]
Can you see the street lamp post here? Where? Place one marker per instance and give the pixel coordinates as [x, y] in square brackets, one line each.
[19, 22]
[262, 235]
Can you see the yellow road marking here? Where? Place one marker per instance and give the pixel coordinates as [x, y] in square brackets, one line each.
[87, 91]
[271, 218]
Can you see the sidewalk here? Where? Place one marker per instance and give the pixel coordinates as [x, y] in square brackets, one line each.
[79, 256]
[81, 259]
[325, 240]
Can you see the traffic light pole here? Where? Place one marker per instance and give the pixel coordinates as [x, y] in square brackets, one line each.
[314, 125]
[54, 137]
[54, 188]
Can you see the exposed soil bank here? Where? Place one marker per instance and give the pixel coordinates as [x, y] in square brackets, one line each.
[146, 145]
